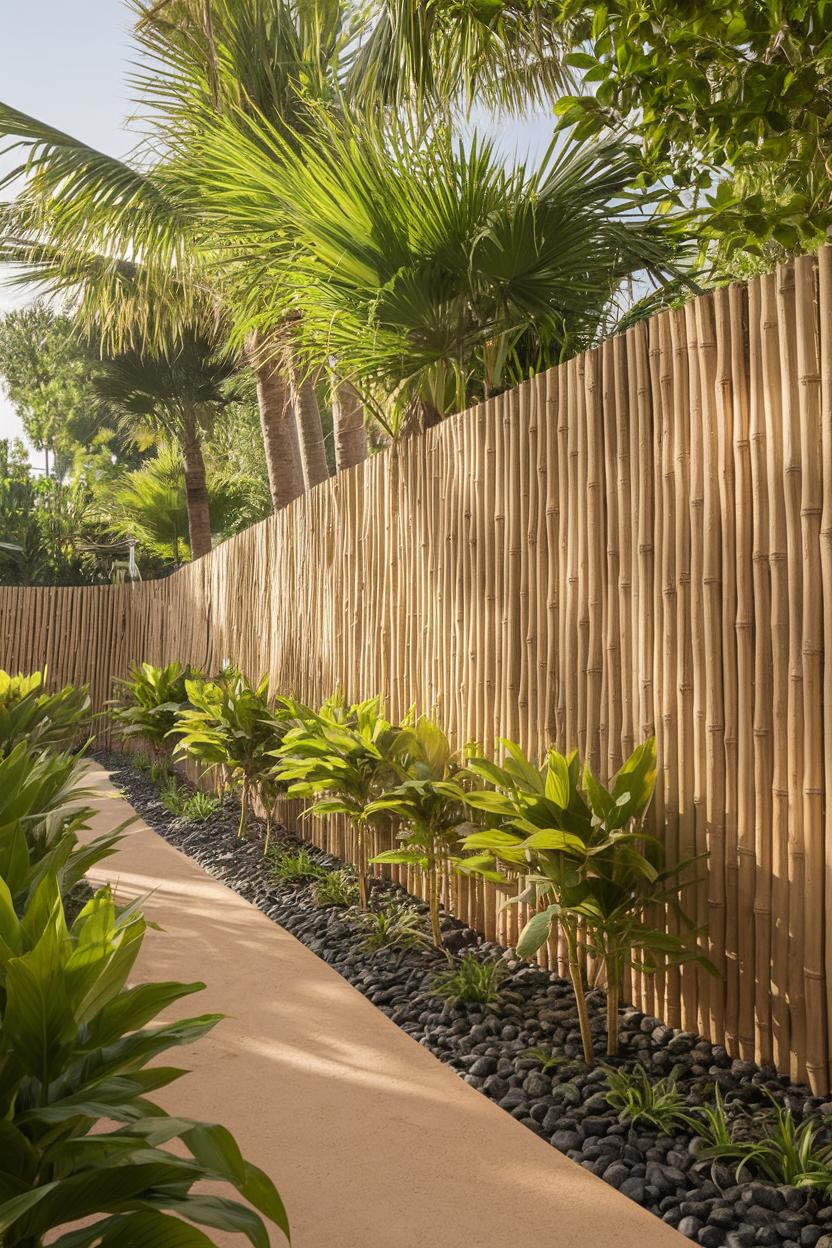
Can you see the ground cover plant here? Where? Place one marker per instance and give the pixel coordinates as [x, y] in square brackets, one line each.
[524, 1051]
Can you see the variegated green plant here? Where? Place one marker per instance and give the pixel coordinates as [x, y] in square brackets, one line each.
[231, 725]
[589, 863]
[343, 757]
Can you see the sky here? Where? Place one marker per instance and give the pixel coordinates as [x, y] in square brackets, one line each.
[67, 62]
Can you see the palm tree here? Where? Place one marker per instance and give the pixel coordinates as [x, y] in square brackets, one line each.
[150, 505]
[432, 54]
[118, 240]
[175, 393]
[432, 274]
[266, 58]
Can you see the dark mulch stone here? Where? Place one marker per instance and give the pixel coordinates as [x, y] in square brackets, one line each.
[488, 1045]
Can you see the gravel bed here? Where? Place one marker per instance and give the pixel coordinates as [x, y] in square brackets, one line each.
[488, 1046]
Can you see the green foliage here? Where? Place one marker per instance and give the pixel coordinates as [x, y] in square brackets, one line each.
[465, 277]
[48, 720]
[230, 724]
[772, 1146]
[42, 812]
[199, 806]
[48, 530]
[186, 803]
[336, 888]
[548, 1059]
[344, 757]
[48, 372]
[636, 1098]
[427, 805]
[734, 87]
[80, 1137]
[588, 861]
[295, 866]
[150, 701]
[470, 981]
[394, 925]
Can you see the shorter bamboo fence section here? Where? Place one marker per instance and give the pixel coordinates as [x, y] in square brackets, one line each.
[636, 542]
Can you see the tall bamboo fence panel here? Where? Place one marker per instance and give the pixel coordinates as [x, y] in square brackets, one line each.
[637, 542]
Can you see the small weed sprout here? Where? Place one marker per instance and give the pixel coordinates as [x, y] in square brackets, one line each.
[549, 1061]
[471, 981]
[336, 888]
[172, 797]
[636, 1098]
[294, 866]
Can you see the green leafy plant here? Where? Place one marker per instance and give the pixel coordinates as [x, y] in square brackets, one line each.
[393, 925]
[149, 702]
[199, 806]
[49, 720]
[589, 864]
[548, 1059]
[42, 812]
[295, 866]
[343, 757]
[336, 888]
[636, 1097]
[80, 1138]
[230, 725]
[772, 1146]
[173, 796]
[161, 772]
[470, 980]
[428, 806]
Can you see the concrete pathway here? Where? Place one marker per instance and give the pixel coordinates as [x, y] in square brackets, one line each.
[372, 1142]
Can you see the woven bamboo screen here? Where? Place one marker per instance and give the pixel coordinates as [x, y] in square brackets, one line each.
[637, 542]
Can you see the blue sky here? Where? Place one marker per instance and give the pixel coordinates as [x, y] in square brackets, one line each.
[67, 62]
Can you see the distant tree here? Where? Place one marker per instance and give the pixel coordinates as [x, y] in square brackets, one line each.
[150, 505]
[46, 527]
[48, 372]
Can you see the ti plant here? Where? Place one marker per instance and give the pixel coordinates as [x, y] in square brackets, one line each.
[230, 724]
[428, 806]
[149, 702]
[79, 1138]
[589, 863]
[47, 720]
[343, 757]
[42, 812]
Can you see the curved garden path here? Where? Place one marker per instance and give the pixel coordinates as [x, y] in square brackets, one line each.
[372, 1142]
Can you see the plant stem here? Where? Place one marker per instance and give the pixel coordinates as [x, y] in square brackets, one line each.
[576, 975]
[433, 899]
[243, 812]
[363, 891]
[613, 996]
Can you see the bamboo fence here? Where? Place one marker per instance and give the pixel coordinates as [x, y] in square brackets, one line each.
[637, 542]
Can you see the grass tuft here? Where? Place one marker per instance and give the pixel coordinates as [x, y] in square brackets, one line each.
[471, 981]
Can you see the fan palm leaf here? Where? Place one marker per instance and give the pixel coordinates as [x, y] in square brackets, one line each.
[421, 267]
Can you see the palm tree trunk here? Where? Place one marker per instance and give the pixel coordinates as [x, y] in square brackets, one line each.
[196, 495]
[277, 421]
[348, 424]
[310, 428]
